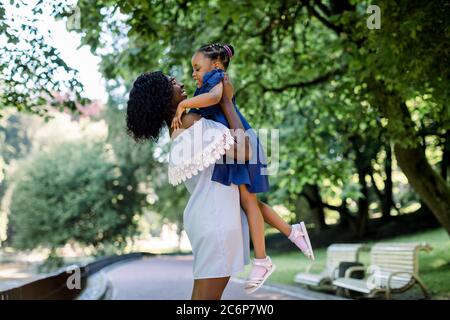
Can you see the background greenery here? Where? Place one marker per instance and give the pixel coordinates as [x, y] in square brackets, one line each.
[363, 115]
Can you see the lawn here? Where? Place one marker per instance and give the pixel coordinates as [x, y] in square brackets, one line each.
[434, 267]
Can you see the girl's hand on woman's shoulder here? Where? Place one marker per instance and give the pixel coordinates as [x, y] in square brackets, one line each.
[228, 90]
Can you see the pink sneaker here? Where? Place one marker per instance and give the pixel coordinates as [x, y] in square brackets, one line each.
[261, 270]
[299, 236]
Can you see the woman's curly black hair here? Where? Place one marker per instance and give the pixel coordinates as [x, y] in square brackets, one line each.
[148, 106]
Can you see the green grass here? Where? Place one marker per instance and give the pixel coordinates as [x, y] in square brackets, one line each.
[434, 267]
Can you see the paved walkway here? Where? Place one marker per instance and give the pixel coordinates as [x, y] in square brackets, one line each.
[170, 278]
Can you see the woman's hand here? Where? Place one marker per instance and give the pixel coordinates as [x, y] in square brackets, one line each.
[176, 121]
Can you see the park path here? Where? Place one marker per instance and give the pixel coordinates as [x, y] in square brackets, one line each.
[170, 278]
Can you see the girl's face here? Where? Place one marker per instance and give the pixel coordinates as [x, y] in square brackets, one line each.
[201, 64]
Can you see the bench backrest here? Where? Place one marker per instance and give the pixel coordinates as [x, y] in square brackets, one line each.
[340, 252]
[387, 258]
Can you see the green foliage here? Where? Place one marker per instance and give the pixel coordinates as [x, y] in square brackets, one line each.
[74, 192]
[14, 144]
[31, 70]
[409, 56]
[14, 141]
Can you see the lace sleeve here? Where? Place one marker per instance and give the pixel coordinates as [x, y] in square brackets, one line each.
[197, 148]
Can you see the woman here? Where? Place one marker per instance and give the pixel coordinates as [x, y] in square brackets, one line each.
[213, 220]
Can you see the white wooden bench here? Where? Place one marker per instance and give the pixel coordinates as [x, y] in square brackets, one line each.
[394, 268]
[336, 253]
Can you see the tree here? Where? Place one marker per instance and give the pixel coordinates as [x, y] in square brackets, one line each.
[414, 66]
[15, 143]
[74, 192]
[31, 69]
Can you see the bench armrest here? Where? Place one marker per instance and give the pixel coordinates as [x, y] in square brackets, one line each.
[334, 273]
[415, 277]
[393, 274]
[425, 247]
[350, 270]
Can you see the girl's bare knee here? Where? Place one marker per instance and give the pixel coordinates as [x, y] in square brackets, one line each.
[247, 199]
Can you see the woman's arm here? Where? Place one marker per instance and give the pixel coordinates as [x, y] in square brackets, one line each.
[242, 149]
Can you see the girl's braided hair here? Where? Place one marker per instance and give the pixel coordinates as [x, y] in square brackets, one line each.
[222, 52]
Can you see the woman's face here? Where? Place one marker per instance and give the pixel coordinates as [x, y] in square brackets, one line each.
[201, 64]
[178, 91]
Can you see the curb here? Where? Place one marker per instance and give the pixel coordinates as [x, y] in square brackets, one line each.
[98, 285]
[296, 292]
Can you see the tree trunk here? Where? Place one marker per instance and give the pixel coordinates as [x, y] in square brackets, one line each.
[387, 201]
[426, 182]
[445, 156]
[430, 186]
[363, 205]
[311, 194]
[365, 150]
[316, 206]
[347, 220]
[344, 216]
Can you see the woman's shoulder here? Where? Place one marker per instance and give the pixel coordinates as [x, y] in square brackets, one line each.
[189, 119]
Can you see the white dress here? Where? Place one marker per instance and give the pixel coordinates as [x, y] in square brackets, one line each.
[213, 219]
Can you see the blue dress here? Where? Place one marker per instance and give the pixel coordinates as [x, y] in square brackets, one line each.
[251, 173]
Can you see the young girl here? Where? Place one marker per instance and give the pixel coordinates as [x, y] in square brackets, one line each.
[209, 64]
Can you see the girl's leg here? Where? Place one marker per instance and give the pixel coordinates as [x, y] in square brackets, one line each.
[249, 203]
[271, 217]
[209, 289]
[262, 266]
[299, 236]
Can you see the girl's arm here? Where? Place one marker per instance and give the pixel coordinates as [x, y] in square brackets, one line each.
[205, 99]
[242, 150]
[201, 101]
